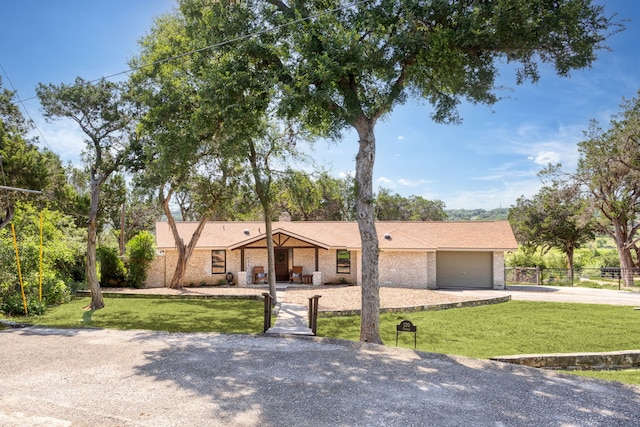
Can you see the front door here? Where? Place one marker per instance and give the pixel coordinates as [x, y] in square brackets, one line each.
[281, 264]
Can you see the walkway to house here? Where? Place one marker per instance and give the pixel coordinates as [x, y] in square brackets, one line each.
[291, 319]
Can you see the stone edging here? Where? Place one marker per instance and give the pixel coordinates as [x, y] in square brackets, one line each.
[428, 307]
[625, 359]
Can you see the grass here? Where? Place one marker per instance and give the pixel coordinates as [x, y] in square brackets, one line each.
[515, 327]
[629, 376]
[158, 314]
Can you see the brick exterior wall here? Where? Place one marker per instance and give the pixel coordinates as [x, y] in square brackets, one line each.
[404, 269]
[431, 271]
[397, 269]
[498, 270]
[156, 275]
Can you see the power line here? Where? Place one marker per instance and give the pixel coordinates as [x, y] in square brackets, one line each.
[24, 107]
[182, 55]
[223, 43]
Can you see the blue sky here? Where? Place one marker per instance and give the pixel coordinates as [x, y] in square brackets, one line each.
[487, 162]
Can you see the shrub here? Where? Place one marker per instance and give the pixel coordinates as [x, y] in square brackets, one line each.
[112, 269]
[11, 302]
[141, 250]
[62, 247]
[524, 259]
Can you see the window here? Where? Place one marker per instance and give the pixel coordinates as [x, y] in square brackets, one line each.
[218, 261]
[343, 263]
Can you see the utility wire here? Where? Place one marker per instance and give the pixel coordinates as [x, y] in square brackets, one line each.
[182, 55]
[223, 43]
[24, 107]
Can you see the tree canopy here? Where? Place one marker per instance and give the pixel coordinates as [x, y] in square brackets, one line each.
[334, 66]
[103, 113]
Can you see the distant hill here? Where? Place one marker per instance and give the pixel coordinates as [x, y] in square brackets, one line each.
[476, 214]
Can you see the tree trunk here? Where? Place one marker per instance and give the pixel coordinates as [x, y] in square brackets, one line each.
[184, 252]
[623, 243]
[271, 268]
[8, 217]
[569, 250]
[97, 302]
[370, 318]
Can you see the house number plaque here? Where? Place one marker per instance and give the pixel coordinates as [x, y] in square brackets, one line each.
[407, 326]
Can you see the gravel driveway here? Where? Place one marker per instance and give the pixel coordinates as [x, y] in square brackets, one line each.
[53, 377]
[56, 377]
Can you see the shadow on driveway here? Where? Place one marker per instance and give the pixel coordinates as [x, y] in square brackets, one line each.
[106, 377]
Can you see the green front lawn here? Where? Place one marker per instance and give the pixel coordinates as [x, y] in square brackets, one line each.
[515, 327]
[158, 314]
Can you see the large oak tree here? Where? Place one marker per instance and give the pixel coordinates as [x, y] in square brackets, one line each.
[337, 65]
[608, 169]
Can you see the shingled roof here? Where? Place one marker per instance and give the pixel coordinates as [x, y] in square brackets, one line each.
[392, 235]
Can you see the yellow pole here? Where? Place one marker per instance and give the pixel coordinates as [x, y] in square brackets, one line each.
[40, 257]
[15, 245]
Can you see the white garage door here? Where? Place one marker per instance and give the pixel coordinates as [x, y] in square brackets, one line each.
[464, 270]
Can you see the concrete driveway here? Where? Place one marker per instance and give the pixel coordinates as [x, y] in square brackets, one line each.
[54, 377]
[555, 294]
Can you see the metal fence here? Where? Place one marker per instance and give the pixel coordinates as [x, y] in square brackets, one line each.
[606, 276]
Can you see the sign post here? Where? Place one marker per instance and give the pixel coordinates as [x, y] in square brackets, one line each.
[407, 326]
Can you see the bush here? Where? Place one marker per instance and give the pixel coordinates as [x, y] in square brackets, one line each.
[62, 248]
[112, 269]
[141, 250]
[11, 302]
[522, 259]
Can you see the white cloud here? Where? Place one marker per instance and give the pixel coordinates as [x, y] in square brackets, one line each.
[401, 137]
[545, 157]
[345, 174]
[384, 181]
[487, 178]
[411, 183]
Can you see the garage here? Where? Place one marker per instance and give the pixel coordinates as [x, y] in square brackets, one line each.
[471, 270]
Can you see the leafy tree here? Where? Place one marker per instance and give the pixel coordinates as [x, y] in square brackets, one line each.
[607, 170]
[103, 114]
[22, 164]
[335, 66]
[299, 195]
[112, 269]
[314, 196]
[477, 214]
[221, 100]
[62, 246]
[394, 207]
[391, 207]
[554, 218]
[182, 157]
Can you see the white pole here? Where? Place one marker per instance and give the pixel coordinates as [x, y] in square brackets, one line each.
[24, 190]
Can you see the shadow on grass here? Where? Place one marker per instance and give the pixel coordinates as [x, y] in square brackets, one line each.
[86, 317]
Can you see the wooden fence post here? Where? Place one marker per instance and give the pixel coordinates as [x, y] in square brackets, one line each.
[267, 311]
[313, 313]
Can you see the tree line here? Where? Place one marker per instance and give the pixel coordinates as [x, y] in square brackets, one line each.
[601, 197]
[222, 91]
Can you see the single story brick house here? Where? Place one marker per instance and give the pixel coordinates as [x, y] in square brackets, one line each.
[429, 255]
